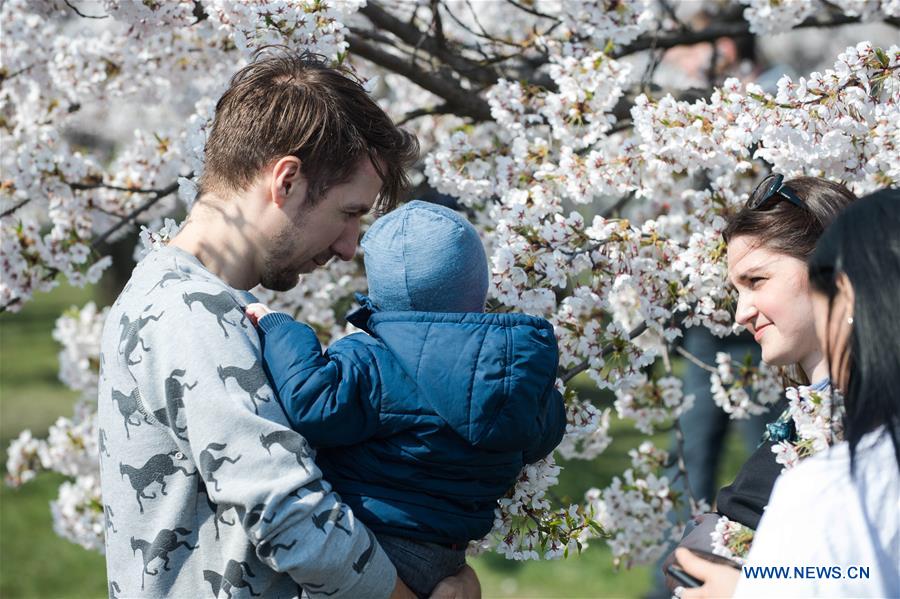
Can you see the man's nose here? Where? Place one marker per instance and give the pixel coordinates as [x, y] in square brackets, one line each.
[345, 246]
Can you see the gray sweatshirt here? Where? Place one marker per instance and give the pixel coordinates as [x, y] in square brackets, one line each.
[206, 490]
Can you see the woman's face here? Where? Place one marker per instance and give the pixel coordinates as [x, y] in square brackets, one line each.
[774, 303]
[833, 329]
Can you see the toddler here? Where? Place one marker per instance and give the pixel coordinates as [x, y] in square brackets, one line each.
[425, 420]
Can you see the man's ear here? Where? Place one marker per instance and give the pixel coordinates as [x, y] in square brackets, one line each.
[288, 182]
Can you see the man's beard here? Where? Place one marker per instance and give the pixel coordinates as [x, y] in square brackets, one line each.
[280, 271]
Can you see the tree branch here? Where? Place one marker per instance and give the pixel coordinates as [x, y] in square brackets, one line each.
[725, 29]
[532, 11]
[620, 203]
[129, 218]
[14, 208]
[438, 23]
[84, 186]
[419, 112]
[568, 375]
[465, 102]
[81, 14]
[6, 77]
[486, 58]
[695, 360]
[410, 34]
[682, 465]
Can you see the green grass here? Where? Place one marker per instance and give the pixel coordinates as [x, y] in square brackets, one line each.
[34, 562]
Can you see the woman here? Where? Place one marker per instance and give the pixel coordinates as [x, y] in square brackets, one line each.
[769, 241]
[841, 509]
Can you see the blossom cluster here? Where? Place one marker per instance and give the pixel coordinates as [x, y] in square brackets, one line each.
[79, 331]
[731, 539]
[587, 431]
[525, 525]
[633, 511]
[74, 444]
[818, 419]
[747, 393]
[652, 402]
[769, 16]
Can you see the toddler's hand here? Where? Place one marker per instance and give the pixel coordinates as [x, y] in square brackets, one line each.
[256, 311]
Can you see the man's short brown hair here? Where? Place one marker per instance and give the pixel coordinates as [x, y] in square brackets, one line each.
[295, 104]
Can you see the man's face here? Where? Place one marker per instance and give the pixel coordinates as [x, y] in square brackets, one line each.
[310, 237]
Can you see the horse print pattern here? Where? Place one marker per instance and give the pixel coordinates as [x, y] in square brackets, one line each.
[130, 335]
[360, 564]
[170, 446]
[334, 515]
[108, 515]
[102, 449]
[254, 516]
[218, 305]
[233, 578]
[314, 589]
[218, 509]
[174, 389]
[166, 542]
[167, 278]
[251, 380]
[266, 549]
[292, 442]
[209, 463]
[315, 486]
[128, 405]
[155, 470]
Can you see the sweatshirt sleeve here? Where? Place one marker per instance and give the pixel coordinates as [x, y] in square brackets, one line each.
[331, 399]
[552, 426]
[238, 439]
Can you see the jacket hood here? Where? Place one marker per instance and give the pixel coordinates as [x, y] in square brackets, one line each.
[486, 375]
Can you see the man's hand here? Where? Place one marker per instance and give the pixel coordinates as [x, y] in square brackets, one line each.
[401, 591]
[255, 312]
[718, 581]
[463, 585]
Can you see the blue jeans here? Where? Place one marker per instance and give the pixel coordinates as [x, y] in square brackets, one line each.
[706, 424]
[422, 565]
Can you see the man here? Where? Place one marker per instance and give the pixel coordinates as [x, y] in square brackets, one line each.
[205, 488]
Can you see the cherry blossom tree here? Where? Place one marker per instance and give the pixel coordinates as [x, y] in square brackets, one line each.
[600, 195]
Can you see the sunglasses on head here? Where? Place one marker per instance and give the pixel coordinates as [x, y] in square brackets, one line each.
[772, 187]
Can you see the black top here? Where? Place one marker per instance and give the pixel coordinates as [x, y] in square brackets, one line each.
[745, 499]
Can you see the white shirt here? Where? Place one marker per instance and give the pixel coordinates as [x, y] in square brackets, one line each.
[818, 517]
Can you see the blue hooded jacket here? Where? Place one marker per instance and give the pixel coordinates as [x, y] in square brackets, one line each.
[423, 424]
